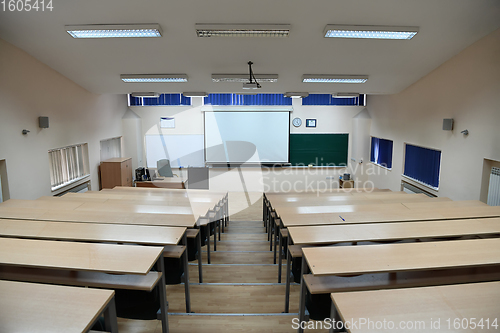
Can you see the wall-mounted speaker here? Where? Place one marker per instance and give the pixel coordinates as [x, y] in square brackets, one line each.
[43, 122]
[447, 124]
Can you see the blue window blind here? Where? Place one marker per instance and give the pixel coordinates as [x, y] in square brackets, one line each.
[423, 164]
[381, 152]
[163, 99]
[241, 99]
[327, 99]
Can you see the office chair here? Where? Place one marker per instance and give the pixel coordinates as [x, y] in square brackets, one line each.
[163, 168]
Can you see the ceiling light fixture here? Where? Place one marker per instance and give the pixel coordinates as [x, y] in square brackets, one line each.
[114, 30]
[195, 94]
[155, 78]
[345, 94]
[369, 31]
[242, 30]
[296, 94]
[322, 78]
[145, 94]
[243, 78]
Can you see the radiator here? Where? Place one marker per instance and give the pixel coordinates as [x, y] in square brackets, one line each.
[494, 188]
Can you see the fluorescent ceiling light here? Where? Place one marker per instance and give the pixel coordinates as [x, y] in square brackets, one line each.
[244, 78]
[195, 94]
[113, 30]
[162, 78]
[321, 78]
[345, 94]
[369, 31]
[242, 30]
[297, 94]
[145, 94]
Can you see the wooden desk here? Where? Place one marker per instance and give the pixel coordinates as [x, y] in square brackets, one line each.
[106, 258]
[465, 301]
[366, 259]
[333, 234]
[30, 307]
[346, 183]
[441, 205]
[93, 232]
[40, 204]
[181, 220]
[87, 257]
[165, 182]
[290, 219]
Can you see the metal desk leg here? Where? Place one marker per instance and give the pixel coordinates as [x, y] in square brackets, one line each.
[207, 231]
[271, 231]
[162, 294]
[215, 236]
[200, 264]
[186, 275]
[276, 235]
[110, 321]
[280, 258]
[303, 293]
[288, 269]
[219, 222]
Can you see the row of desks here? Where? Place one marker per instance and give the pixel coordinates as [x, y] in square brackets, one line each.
[37, 227]
[313, 226]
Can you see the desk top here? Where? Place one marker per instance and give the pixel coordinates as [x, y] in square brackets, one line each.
[364, 259]
[475, 300]
[181, 220]
[93, 232]
[126, 208]
[311, 210]
[41, 204]
[280, 200]
[291, 219]
[37, 308]
[106, 258]
[359, 200]
[440, 205]
[330, 234]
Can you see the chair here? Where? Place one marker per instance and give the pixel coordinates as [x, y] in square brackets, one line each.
[163, 168]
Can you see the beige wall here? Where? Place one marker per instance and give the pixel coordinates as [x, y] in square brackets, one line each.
[29, 89]
[465, 88]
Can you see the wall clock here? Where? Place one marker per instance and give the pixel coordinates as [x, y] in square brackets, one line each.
[297, 122]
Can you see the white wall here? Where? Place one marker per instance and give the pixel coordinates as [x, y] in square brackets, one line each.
[189, 120]
[465, 88]
[29, 89]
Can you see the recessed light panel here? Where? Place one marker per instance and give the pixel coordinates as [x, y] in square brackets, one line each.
[369, 32]
[154, 78]
[114, 30]
[242, 30]
[320, 78]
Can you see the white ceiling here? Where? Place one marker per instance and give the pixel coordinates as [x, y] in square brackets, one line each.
[446, 28]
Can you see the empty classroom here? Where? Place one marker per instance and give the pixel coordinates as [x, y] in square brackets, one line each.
[259, 166]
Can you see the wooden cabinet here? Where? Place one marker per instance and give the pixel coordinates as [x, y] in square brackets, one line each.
[116, 172]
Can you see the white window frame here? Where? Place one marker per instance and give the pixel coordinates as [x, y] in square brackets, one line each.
[68, 165]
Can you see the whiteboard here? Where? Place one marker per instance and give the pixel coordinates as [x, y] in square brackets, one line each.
[181, 150]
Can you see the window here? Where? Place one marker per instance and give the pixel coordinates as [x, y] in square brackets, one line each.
[68, 165]
[328, 99]
[163, 99]
[111, 148]
[242, 99]
[381, 152]
[422, 165]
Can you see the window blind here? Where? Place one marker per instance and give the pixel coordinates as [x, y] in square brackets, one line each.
[242, 99]
[381, 152]
[163, 99]
[68, 165]
[328, 99]
[422, 164]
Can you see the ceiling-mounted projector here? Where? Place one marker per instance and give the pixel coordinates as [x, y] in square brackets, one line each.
[253, 84]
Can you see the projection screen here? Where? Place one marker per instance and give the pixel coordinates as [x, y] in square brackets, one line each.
[246, 137]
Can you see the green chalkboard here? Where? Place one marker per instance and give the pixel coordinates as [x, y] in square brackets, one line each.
[319, 149]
